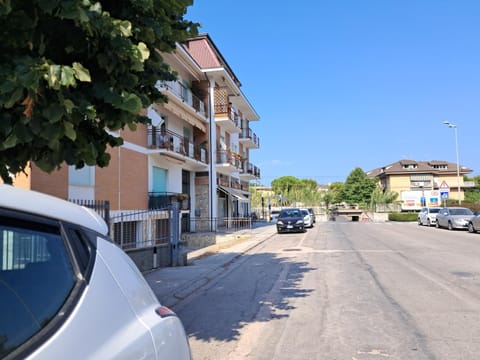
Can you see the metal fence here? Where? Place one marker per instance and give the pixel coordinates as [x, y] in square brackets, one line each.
[100, 206]
[140, 229]
[220, 224]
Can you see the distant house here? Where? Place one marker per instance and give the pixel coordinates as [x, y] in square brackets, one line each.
[422, 183]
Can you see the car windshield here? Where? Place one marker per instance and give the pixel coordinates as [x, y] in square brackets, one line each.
[461, 212]
[434, 211]
[290, 213]
[305, 212]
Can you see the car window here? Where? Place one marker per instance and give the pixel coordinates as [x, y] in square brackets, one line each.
[434, 211]
[461, 212]
[290, 213]
[36, 277]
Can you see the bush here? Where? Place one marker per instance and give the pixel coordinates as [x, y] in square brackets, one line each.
[410, 216]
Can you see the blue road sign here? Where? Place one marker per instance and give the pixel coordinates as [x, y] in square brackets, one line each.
[444, 195]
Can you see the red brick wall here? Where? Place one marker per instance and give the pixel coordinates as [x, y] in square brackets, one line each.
[126, 187]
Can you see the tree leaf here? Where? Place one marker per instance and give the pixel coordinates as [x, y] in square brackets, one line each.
[144, 51]
[81, 73]
[70, 131]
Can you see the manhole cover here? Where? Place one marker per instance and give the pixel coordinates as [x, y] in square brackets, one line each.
[291, 249]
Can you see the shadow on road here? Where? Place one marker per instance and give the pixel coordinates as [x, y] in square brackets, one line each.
[259, 288]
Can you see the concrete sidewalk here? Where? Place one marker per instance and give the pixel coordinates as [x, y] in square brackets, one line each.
[173, 284]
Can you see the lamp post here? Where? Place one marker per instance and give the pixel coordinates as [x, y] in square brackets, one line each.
[454, 127]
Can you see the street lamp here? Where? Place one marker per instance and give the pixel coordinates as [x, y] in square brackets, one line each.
[450, 125]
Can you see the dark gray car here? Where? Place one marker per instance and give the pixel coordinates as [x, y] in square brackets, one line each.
[454, 218]
[290, 220]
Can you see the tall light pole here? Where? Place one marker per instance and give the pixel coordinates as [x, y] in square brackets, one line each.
[454, 127]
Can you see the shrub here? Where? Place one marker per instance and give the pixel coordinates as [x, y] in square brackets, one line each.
[410, 216]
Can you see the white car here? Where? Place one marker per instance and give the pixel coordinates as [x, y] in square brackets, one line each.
[428, 216]
[66, 291]
[307, 218]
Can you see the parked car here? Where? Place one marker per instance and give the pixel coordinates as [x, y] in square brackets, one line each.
[312, 214]
[454, 218]
[307, 218]
[66, 290]
[428, 216]
[274, 215]
[290, 220]
[474, 223]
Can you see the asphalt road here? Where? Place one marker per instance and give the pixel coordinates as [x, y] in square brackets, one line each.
[344, 290]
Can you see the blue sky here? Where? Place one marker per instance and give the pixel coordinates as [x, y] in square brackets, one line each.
[341, 84]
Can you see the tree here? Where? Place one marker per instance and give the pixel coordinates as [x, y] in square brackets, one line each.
[296, 190]
[70, 71]
[358, 188]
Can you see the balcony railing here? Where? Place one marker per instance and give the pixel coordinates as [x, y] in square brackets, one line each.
[228, 110]
[163, 200]
[229, 157]
[185, 94]
[251, 169]
[171, 141]
[247, 133]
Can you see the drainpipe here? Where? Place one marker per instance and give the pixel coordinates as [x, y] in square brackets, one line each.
[212, 174]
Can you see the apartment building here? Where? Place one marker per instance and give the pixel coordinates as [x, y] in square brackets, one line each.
[422, 183]
[196, 150]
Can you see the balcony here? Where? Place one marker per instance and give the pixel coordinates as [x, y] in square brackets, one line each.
[249, 139]
[249, 171]
[228, 162]
[183, 98]
[164, 200]
[176, 146]
[227, 118]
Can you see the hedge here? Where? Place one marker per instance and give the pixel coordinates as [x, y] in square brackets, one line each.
[410, 216]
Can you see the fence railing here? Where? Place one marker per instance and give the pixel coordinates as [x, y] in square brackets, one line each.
[220, 224]
[102, 207]
[131, 230]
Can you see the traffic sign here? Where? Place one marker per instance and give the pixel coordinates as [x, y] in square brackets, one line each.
[444, 185]
[444, 195]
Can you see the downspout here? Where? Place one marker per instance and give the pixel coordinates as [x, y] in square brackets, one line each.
[212, 180]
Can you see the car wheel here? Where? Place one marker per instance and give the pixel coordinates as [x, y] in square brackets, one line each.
[428, 222]
[437, 225]
[471, 229]
[419, 221]
[450, 227]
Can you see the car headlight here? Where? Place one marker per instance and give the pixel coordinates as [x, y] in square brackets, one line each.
[280, 222]
[299, 222]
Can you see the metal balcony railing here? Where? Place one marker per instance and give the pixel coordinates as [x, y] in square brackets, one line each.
[227, 109]
[229, 157]
[171, 141]
[163, 200]
[247, 133]
[185, 94]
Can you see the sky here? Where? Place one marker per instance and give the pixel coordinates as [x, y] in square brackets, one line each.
[341, 84]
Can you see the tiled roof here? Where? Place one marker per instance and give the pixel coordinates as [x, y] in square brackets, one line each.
[406, 166]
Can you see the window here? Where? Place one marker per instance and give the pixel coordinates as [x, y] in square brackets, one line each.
[36, 277]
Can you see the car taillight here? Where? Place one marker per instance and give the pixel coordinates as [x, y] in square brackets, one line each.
[164, 311]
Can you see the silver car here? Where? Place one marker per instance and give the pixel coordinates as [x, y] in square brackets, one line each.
[428, 216]
[474, 223]
[67, 291]
[454, 218]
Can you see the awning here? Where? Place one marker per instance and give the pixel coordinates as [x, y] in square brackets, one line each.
[238, 194]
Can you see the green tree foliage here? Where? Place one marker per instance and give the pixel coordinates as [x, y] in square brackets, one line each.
[382, 197]
[358, 188]
[293, 190]
[70, 70]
